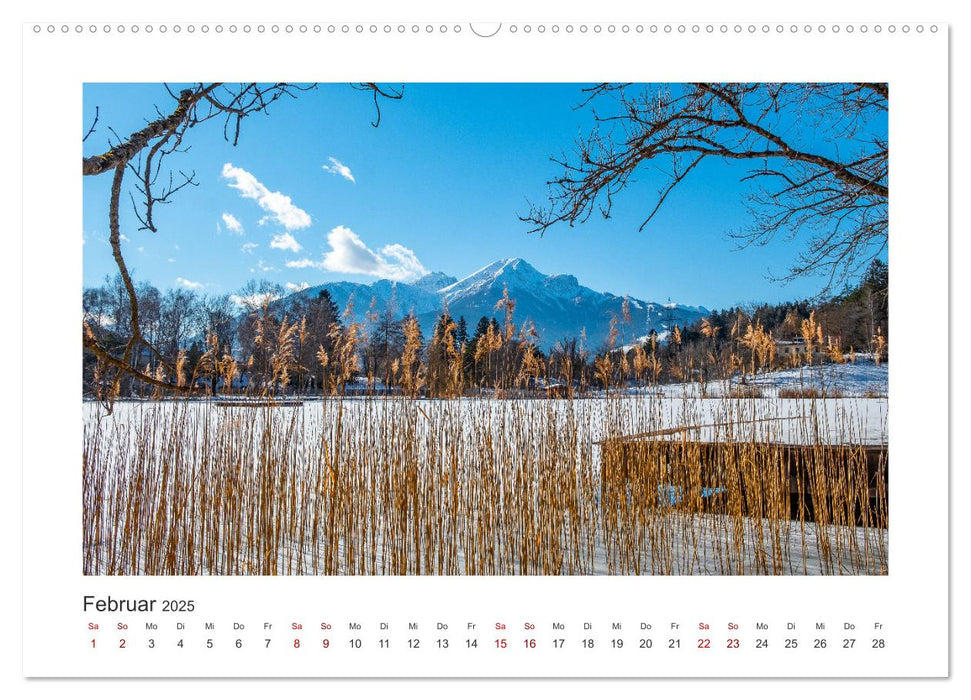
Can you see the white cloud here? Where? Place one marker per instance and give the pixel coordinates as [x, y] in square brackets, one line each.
[348, 253]
[124, 238]
[284, 241]
[263, 267]
[279, 207]
[304, 262]
[299, 287]
[249, 247]
[188, 284]
[232, 224]
[338, 168]
[171, 260]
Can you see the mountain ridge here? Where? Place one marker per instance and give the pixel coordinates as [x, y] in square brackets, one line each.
[557, 305]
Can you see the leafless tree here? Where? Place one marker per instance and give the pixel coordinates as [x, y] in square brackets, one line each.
[142, 155]
[819, 154]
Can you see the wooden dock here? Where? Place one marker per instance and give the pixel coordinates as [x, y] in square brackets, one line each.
[257, 403]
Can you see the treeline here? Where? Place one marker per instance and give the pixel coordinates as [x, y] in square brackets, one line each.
[258, 343]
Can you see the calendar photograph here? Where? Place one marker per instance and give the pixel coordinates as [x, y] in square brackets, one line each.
[485, 329]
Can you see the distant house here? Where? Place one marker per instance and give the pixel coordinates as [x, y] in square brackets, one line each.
[360, 386]
[557, 391]
[240, 383]
[785, 347]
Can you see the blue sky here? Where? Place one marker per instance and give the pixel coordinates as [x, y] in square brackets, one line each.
[313, 191]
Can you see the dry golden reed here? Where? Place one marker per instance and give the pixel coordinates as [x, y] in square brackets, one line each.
[517, 487]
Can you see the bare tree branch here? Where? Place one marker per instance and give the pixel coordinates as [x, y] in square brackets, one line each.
[128, 149]
[377, 91]
[93, 124]
[91, 343]
[841, 203]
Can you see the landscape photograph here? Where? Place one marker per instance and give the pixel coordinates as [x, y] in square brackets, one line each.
[485, 329]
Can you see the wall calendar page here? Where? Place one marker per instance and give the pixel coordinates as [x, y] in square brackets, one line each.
[543, 347]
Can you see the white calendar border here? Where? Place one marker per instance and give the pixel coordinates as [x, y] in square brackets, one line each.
[899, 544]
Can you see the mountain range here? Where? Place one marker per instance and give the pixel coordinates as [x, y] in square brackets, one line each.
[558, 305]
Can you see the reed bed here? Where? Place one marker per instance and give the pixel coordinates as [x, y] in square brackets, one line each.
[801, 392]
[399, 486]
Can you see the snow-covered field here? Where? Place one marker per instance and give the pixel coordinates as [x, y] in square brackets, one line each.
[862, 378]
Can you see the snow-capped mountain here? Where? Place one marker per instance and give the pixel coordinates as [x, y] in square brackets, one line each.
[558, 305]
[419, 297]
[434, 281]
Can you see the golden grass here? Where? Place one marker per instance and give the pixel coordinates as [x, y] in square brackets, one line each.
[740, 391]
[404, 486]
[809, 393]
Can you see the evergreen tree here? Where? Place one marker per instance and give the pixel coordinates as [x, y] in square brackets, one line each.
[470, 367]
[323, 317]
[443, 360]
